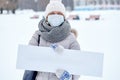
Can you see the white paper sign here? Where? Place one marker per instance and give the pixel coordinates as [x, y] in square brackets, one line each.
[47, 60]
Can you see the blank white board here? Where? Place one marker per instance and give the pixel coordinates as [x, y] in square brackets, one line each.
[47, 60]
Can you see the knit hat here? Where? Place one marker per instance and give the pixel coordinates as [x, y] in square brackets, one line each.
[55, 5]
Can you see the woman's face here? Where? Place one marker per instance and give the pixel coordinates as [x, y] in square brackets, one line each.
[55, 12]
[55, 18]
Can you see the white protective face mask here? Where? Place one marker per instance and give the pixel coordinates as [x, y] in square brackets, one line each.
[55, 19]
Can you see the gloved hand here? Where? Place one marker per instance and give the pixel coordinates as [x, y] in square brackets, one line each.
[57, 48]
[63, 74]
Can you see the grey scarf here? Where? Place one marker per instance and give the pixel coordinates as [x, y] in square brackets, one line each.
[54, 34]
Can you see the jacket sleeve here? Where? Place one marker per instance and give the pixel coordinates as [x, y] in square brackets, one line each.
[34, 39]
[75, 46]
[74, 43]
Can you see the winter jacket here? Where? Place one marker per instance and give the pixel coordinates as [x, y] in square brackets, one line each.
[68, 43]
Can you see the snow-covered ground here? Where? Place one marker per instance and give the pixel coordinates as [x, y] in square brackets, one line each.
[98, 36]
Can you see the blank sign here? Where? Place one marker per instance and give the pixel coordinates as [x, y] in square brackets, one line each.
[47, 60]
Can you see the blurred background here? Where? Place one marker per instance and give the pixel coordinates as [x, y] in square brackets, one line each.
[39, 5]
[96, 21]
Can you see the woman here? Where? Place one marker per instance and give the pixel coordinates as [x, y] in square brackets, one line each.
[54, 29]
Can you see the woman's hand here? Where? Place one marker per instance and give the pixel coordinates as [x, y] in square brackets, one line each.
[57, 48]
[63, 74]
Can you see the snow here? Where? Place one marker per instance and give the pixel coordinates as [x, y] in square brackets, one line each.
[97, 36]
